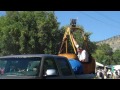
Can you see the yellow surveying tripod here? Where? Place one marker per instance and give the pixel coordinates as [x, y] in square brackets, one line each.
[69, 32]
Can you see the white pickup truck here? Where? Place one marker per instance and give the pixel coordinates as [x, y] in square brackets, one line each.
[38, 66]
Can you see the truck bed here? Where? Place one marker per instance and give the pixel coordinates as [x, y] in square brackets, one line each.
[86, 76]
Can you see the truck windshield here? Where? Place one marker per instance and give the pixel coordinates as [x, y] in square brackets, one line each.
[20, 66]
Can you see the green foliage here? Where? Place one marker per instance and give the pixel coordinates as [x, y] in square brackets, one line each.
[103, 54]
[29, 32]
[23, 32]
[87, 44]
[106, 49]
[116, 57]
[92, 46]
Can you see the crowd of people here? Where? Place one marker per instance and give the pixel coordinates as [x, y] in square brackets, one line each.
[107, 73]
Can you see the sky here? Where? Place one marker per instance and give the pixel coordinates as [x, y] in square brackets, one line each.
[102, 24]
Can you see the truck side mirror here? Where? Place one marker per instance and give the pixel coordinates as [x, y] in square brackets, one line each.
[51, 72]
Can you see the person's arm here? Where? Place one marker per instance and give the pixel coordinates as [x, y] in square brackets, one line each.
[74, 41]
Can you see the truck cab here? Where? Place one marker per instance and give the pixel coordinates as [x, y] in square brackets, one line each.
[40, 66]
[37, 66]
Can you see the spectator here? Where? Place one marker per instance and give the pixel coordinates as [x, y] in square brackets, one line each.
[109, 73]
[2, 71]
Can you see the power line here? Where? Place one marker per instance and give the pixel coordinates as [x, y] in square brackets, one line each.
[108, 17]
[98, 19]
[92, 17]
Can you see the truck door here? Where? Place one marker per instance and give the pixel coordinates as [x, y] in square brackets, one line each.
[65, 68]
[50, 70]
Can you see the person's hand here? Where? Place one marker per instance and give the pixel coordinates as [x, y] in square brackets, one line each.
[64, 38]
[83, 60]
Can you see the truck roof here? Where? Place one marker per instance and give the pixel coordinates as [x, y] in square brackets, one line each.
[29, 55]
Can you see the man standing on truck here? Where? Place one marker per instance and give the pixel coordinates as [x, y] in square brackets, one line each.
[82, 53]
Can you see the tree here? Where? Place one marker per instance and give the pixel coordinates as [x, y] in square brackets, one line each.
[33, 32]
[28, 32]
[99, 56]
[85, 39]
[116, 57]
[103, 54]
[9, 33]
